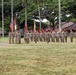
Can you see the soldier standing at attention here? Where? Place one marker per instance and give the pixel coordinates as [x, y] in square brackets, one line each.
[62, 36]
[71, 35]
[19, 37]
[40, 36]
[48, 37]
[53, 36]
[36, 37]
[57, 36]
[9, 35]
[16, 36]
[65, 35]
[12, 36]
[26, 37]
[43, 36]
[31, 36]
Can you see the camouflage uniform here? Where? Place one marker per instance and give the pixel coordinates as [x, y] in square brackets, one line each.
[43, 36]
[35, 37]
[53, 36]
[48, 37]
[16, 33]
[65, 36]
[19, 37]
[57, 36]
[26, 37]
[12, 37]
[31, 36]
[62, 36]
[40, 36]
[9, 35]
[71, 36]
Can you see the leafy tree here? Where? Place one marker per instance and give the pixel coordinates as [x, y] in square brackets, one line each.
[47, 7]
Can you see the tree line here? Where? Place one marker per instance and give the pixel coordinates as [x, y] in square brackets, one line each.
[48, 10]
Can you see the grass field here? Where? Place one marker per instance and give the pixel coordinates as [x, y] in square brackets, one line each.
[37, 59]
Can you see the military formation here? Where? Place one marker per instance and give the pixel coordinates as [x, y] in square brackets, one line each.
[54, 36]
[14, 37]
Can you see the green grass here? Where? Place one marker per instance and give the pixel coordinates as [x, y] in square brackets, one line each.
[37, 59]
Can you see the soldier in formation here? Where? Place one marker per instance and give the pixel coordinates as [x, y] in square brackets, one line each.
[9, 35]
[36, 35]
[57, 36]
[54, 36]
[71, 35]
[14, 37]
[26, 37]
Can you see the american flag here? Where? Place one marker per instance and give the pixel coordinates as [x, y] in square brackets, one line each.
[25, 28]
[11, 25]
[15, 25]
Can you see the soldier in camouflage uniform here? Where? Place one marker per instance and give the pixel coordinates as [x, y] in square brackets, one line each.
[48, 37]
[62, 36]
[40, 36]
[65, 36]
[26, 37]
[19, 37]
[16, 32]
[12, 36]
[36, 37]
[9, 35]
[43, 36]
[53, 36]
[71, 35]
[31, 36]
[57, 36]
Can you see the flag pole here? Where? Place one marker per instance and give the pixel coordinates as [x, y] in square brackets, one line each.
[12, 12]
[2, 19]
[34, 26]
[26, 13]
[59, 4]
[39, 13]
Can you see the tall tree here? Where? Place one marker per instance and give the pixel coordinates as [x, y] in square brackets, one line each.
[38, 2]
[25, 5]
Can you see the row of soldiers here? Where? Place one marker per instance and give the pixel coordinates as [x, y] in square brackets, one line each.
[54, 36]
[14, 37]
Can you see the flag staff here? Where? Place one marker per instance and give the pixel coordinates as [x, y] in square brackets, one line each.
[34, 26]
[12, 12]
[39, 14]
[26, 13]
[59, 4]
[2, 19]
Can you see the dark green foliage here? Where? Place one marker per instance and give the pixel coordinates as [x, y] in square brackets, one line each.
[67, 7]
